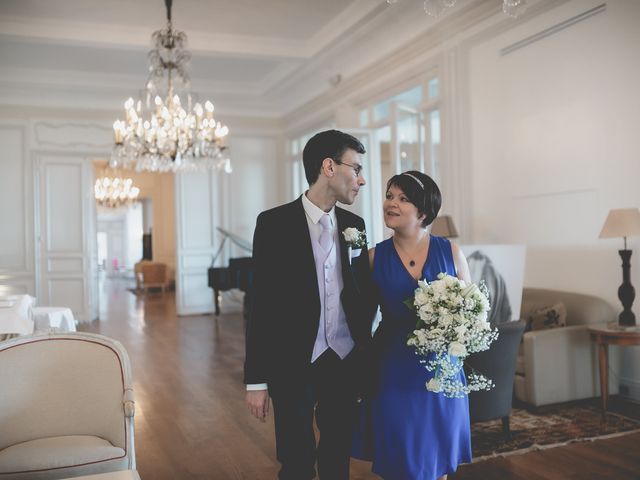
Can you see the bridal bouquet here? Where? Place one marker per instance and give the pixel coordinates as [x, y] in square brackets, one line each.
[452, 323]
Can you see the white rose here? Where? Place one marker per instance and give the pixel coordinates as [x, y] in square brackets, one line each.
[423, 314]
[446, 319]
[450, 281]
[439, 288]
[457, 349]
[351, 234]
[433, 385]
[421, 298]
[461, 330]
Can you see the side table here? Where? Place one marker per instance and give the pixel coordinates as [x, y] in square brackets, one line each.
[606, 334]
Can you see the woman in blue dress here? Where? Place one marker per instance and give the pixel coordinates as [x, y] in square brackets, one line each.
[415, 434]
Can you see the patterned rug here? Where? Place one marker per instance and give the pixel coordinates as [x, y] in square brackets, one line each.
[554, 427]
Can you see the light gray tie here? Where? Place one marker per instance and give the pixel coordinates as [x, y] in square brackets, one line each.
[326, 236]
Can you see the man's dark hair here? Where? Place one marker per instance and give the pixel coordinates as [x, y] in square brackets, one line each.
[327, 144]
[422, 191]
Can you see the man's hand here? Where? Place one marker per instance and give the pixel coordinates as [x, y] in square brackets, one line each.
[258, 403]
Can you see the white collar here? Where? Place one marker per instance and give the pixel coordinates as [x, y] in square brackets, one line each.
[314, 212]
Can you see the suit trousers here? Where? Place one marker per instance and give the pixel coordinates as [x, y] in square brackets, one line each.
[329, 394]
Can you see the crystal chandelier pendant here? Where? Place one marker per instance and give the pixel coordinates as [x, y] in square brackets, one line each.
[514, 8]
[111, 190]
[165, 131]
[435, 8]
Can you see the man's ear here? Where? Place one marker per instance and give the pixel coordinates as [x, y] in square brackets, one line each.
[328, 167]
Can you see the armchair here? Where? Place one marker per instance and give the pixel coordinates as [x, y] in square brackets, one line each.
[66, 407]
[151, 275]
[561, 364]
[499, 364]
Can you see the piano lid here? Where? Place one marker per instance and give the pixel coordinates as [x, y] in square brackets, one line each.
[239, 241]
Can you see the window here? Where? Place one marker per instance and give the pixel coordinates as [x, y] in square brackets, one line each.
[433, 88]
[295, 147]
[406, 131]
[364, 117]
[410, 98]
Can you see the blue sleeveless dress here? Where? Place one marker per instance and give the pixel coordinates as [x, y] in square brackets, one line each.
[414, 434]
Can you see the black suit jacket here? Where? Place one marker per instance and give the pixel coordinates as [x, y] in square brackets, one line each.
[285, 313]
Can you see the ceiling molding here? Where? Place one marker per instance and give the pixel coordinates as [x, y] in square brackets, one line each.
[131, 85]
[355, 15]
[85, 97]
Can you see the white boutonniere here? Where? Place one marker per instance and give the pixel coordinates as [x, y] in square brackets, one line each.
[356, 240]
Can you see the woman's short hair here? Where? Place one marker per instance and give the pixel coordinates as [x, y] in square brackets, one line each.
[327, 144]
[421, 191]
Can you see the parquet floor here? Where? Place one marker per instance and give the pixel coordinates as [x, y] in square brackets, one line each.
[191, 421]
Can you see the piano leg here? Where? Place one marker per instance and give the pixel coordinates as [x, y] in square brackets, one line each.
[216, 300]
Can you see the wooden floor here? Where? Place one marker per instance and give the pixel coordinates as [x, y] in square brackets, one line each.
[191, 421]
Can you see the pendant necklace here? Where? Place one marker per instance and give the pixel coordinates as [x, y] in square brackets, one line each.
[412, 262]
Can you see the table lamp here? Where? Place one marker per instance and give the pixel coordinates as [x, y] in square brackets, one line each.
[624, 222]
[443, 227]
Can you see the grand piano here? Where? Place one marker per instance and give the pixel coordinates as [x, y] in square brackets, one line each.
[238, 274]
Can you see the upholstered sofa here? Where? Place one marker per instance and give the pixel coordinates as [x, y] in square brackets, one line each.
[66, 407]
[561, 364]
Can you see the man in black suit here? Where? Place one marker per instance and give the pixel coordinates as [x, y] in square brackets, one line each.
[308, 328]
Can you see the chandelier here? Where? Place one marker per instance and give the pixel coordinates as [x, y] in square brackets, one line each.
[435, 8]
[164, 131]
[114, 191]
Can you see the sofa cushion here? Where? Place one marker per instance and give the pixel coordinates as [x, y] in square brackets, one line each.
[552, 316]
[57, 452]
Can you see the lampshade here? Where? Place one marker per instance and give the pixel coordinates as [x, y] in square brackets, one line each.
[621, 222]
[443, 227]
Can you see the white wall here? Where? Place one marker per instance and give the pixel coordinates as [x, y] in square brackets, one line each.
[255, 184]
[17, 265]
[554, 145]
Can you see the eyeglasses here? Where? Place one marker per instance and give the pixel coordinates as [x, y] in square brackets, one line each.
[356, 168]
